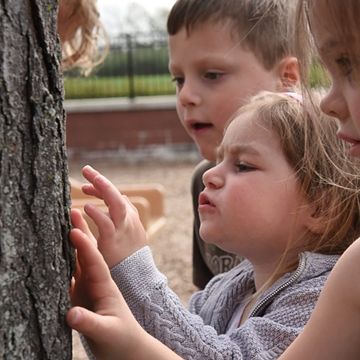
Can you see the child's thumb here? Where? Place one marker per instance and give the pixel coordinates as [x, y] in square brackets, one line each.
[85, 322]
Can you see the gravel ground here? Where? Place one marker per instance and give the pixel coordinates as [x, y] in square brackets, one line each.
[172, 245]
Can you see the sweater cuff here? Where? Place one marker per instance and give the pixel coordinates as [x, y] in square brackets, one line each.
[137, 276]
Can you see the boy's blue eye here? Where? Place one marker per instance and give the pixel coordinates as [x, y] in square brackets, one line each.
[178, 80]
[212, 75]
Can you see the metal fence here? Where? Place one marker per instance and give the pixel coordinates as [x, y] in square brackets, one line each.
[136, 65]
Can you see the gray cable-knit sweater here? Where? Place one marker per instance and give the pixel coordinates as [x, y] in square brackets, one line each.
[199, 333]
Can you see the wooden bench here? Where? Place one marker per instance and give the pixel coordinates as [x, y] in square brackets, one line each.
[147, 198]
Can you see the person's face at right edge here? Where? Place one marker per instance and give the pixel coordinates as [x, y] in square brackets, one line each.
[343, 98]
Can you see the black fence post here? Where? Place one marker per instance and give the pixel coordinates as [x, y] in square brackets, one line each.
[130, 67]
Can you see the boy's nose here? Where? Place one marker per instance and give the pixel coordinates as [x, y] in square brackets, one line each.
[335, 105]
[188, 96]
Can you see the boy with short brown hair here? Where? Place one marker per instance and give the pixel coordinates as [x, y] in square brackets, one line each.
[221, 52]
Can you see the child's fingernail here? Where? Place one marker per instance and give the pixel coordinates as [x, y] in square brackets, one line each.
[89, 207]
[100, 179]
[75, 316]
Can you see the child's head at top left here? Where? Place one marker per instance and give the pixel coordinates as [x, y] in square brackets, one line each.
[221, 52]
[80, 31]
[282, 185]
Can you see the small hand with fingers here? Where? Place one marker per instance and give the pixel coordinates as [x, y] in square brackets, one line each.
[99, 311]
[121, 232]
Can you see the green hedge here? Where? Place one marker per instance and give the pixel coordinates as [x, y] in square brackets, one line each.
[145, 61]
[319, 76]
[96, 87]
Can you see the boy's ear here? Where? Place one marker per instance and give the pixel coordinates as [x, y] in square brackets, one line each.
[289, 75]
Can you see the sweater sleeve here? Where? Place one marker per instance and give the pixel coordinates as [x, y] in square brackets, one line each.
[161, 313]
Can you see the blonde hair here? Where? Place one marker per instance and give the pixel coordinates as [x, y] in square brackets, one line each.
[328, 178]
[261, 25]
[80, 31]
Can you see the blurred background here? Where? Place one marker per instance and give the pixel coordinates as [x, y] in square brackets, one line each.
[126, 106]
[137, 61]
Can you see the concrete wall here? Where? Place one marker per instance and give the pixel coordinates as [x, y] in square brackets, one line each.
[120, 124]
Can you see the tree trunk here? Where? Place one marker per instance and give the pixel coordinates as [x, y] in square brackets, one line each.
[35, 256]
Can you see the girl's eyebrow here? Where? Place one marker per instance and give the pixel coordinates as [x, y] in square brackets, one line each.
[243, 149]
[236, 150]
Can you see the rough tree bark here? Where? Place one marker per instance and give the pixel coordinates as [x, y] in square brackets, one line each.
[35, 256]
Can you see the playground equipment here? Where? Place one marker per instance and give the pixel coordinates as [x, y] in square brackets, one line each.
[147, 198]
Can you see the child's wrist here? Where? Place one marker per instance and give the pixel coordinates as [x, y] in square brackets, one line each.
[114, 260]
[114, 257]
[137, 275]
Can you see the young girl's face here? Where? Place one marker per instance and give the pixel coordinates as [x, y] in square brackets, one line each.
[343, 98]
[251, 204]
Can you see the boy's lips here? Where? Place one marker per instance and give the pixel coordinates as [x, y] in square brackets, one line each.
[196, 126]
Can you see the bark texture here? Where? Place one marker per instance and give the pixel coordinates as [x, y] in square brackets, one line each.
[35, 256]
